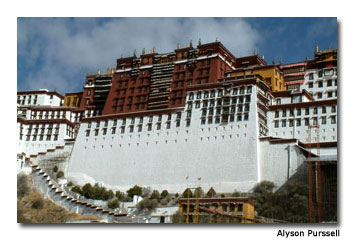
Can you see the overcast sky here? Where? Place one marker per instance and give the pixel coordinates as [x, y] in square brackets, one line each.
[57, 53]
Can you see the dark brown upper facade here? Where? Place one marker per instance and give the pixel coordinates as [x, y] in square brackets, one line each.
[159, 81]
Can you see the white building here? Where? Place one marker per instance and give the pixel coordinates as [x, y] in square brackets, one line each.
[321, 83]
[41, 97]
[42, 124]
[230, 134]
[292, 115]
[217, 137]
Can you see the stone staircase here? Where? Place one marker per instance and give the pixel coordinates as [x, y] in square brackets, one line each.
[58, 153]
[52, 190]
[39, 165]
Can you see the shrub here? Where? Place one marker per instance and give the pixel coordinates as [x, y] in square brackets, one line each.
[211, 192]
[148, 204]
[60, 174]
[176, 195]
[113, 204]
[87, 190]
[108, 195]
[99, 193]
[164, 194]
[146, 192]
[155, 195]
[222, 195]
[120, 195]
[22, 186]
[37, 203]
[70, 184]
[76, 189]
[290, 203]
[55, 168]
[264, 187]
[187, 193]
[136, 190]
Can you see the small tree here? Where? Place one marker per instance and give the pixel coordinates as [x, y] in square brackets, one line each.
[22, 186]
[37, 203]
[264, 187]
[76, 189]
[87, 190]
[60, 174]
[211, 192]
[100, 193]
[70, 184]
[222, 195]
[146, 192]
[55, 168]
[176, 195]
[155, 195]
[113, 204]
[164, 194]
[136, 190]
[120, 195]
[187, 193]
[148, 204]
[108, 195]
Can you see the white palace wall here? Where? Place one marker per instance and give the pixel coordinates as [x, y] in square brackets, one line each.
[279, 161]
[30, 146]
[223, 156]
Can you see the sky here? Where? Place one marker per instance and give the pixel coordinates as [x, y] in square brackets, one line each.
[57, 53]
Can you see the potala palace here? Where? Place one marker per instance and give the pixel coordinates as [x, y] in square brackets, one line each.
[196, 115]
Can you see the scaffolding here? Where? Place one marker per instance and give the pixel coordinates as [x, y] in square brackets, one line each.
[196, 206]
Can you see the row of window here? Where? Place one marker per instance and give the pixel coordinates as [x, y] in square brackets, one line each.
[42, 131]
[140, 120]
[329, 82]
[224, 110]
[201, 72]
[306, 121]
[47, 116]
[139, 128]
[127, 74]
[225, 119]
[43, 125]
[131, 90]
[24, 97]
[315, 110]
[201, 63]
[176, 101]
[41, 137]
[219, 103]
[220, 92]
[120, 101]
[137, 106]
[330, 94]
[22, 102]
[325, 72]
[158, 125]
[226, 207]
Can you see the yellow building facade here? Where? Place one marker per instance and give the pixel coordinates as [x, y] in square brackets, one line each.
[271, 74]
[72, 99]
[216, 210]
